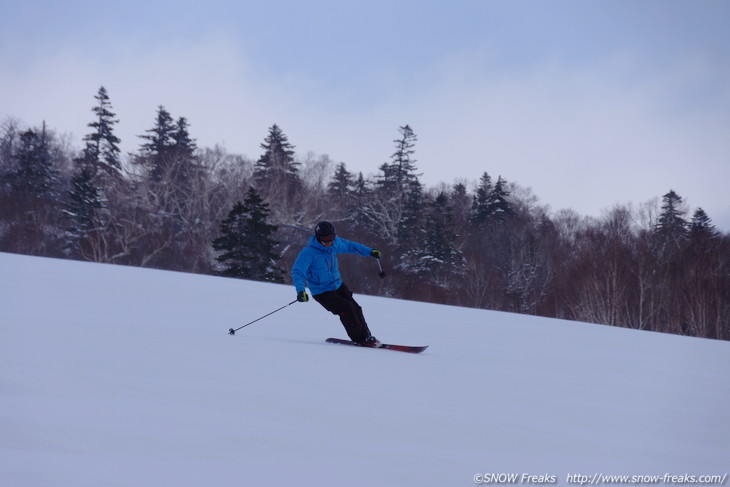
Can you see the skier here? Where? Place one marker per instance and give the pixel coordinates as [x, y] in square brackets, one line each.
[317, 268]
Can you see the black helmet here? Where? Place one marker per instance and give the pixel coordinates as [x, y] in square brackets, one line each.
[324, 229]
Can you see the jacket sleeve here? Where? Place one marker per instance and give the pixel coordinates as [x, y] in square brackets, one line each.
[348, 247]
[299, 271]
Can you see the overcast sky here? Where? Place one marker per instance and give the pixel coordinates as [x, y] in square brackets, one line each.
[588, 102]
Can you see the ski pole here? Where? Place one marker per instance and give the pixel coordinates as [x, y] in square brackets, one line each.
[231, 331]
[381, 273]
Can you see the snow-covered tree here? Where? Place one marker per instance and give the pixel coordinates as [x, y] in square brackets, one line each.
[435, 256]
[490, 201]
[390, 209]
[30, 187]
[498, 208]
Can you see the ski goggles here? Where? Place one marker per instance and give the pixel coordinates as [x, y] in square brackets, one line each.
[327, 239]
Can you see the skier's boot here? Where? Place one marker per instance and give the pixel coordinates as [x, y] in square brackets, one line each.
[372, 342]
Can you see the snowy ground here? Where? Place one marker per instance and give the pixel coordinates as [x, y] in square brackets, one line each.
[115, 376]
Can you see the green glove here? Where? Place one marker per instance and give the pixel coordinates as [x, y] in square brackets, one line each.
[302, 296]
[375, 253]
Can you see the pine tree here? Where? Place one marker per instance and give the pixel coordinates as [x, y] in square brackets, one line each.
[359, 211]
[29, 193]
[434, 256]
[157, 152]
[276, 174]
[246, 242]
[34, 175]
[171, 195]
[701, 227]
[182, 142]
[395, 189]
[400, 172]
[341, 185]
[480, 208]
[184, 166]
[671, 226]
[83, 207]
[411, 222]
[498, 207]
[361, 185]
[461, 202]
[8, 140]
[98, 170]
[490, 202]
[102, 146]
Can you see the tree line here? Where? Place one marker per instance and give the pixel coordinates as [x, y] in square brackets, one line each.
[485, 244]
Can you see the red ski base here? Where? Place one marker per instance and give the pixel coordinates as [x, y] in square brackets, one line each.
[386, 346]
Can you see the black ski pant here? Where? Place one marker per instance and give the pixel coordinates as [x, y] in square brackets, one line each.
[341, 303]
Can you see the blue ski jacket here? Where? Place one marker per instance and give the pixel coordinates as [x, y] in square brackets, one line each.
[317, 268]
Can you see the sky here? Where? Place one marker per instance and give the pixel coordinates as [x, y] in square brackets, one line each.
[589, 103]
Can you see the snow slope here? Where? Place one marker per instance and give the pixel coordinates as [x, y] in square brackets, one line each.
[117, 376]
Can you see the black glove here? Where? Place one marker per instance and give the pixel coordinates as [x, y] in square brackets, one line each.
[375, 253]
[302, 296]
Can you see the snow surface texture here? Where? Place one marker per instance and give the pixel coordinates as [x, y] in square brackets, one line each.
[118, 376]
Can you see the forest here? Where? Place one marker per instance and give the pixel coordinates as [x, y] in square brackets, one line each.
[488, 244]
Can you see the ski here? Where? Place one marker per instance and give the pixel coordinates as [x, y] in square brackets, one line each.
[386, 346]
